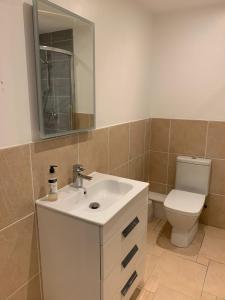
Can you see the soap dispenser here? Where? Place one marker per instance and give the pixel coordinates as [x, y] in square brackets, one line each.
[52, 182]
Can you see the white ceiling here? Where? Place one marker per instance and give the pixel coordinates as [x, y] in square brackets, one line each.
[162, 6]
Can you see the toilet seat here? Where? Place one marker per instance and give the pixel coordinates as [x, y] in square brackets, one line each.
[185, 202]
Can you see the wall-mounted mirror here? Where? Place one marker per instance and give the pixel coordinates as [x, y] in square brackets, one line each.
[64, 45]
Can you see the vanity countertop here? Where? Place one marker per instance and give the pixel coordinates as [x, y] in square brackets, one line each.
[111, 193]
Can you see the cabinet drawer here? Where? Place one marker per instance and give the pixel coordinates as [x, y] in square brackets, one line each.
[115, 250]
[120, 274]
[114, 285]
[124, 217]
[134, 283]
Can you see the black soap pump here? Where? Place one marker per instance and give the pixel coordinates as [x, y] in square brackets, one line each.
[52, 183]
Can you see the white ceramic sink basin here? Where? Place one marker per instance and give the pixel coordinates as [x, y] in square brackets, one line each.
[105, 196]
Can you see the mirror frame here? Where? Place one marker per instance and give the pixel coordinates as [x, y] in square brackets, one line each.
[43, 135]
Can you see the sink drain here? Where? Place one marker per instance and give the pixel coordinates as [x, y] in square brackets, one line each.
[94, 205]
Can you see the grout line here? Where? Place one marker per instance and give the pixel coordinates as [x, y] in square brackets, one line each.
[36, 224]
[207, 268]
[121, 166]
[216, 194]
[16, 222]
[150, 137]
[163, 152]
[108, 146]
[136, 157]
[157, 182]
[145, 151]
[129, 146]
[145, 135]
[206, 139]
[31, 170]
[168, 157]
[78, 148]
[22, 286]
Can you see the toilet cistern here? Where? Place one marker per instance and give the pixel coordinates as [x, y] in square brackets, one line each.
[78, 177]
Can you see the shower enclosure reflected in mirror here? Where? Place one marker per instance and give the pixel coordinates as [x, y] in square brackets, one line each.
[64, 45]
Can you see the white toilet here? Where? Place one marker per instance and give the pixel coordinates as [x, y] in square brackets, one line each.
[184, 204]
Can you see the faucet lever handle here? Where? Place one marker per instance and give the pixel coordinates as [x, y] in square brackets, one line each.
[78, 168]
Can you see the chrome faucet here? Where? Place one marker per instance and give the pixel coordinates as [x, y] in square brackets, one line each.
[78, 177]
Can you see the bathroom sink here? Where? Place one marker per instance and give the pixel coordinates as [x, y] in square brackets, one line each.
[105, 196]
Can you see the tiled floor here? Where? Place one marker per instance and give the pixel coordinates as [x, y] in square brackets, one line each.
[194, 273]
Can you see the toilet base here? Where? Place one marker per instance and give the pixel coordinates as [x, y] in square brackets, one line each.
[183, 239]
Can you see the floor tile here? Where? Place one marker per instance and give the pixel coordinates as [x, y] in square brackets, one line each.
[215, 279]
[165, 293]
[213, 248]
[207, 296]
[152, 284]
[182, 275]
[150, 265]
[202, 260]
[153, 224]
[142, 295]
[190, 252]
[214, 232]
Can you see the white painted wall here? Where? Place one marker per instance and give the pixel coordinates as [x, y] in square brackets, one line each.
[123, 33]
[174, 69]
[15, 125]
[188, 70]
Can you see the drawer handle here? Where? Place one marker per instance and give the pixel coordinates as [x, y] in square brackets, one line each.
[129, 256]
[129, 283]
[130, 227]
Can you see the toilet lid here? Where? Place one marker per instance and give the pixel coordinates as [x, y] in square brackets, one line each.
[186, 202]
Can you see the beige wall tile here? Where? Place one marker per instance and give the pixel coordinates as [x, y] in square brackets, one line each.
[18, 255]
[216, 140]
[137, 138]
[215, 278]
[160, 135]
[169, 188]
[188, 137]
[118, 145]
[121, 171]
[158, 187]
[214, 213]
[62, 152]
[217, 181]
[158, 167]
[94, 151]
[31, 291]
[172, 169]
[146, 166]
[136, 168]
[147, 134]
[16, 195]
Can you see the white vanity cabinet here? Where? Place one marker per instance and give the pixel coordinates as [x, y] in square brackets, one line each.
[82, 260]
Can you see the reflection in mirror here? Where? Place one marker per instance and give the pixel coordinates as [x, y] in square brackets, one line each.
[65, 70]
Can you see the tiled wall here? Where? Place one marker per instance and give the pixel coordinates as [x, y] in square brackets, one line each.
[142, 150]
[170, 138]
[121, 150]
